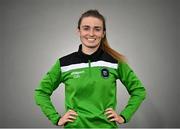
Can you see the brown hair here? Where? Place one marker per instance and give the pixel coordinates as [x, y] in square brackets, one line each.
[104, 43]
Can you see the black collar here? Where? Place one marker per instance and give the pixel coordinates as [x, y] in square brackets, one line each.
[93, 57]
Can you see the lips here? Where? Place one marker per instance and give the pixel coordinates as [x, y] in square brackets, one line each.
[91, 39]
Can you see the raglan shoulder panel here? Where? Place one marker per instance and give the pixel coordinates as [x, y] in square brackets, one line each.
[69, 59]
[108, 58]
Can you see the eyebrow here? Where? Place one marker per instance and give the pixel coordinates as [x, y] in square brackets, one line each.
[89, 26]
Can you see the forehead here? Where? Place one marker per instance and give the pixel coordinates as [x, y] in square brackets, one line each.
[91, 21]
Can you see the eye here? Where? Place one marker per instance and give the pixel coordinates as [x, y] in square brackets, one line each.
[98, 29]
[86, 28]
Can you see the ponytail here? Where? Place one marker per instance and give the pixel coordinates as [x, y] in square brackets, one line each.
[106, 47]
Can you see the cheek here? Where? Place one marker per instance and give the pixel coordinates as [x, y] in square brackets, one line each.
[82, 34]
[100, 35]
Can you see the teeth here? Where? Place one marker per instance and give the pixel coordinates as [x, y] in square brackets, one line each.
[90, 39]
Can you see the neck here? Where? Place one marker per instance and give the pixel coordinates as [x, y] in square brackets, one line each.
[88, 50]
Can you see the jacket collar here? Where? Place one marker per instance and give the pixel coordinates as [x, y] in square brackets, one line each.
[93, 57]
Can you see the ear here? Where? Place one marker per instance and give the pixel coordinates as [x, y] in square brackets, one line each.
[103, 34]
[78, 31]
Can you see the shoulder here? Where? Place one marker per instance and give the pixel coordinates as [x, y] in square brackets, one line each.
[108, 58]
[69, 59]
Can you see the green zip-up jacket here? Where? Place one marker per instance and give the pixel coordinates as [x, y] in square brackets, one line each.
[90, 88]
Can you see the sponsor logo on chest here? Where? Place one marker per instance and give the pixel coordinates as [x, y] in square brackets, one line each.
[77, 74]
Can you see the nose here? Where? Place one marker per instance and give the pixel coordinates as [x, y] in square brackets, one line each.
[91, 33]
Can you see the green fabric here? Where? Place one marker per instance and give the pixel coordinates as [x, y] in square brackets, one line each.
[43, 92]
[134, 87]
[89, 94]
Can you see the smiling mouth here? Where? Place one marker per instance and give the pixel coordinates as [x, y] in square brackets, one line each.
[91, 39]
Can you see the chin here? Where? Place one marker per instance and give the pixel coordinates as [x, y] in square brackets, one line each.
[91, 45]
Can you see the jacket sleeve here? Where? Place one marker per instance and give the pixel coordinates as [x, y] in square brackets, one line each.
[47, 85]
[135, 89]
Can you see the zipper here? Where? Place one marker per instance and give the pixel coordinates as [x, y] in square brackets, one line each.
[89, 63]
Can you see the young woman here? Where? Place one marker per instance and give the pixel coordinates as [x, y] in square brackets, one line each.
[90, 76]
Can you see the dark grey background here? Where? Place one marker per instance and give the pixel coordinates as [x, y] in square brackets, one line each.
[34, 33]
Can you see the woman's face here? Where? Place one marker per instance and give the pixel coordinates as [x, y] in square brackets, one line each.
[91, 32]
